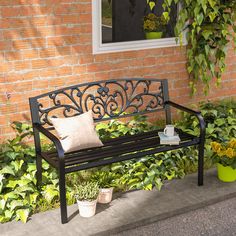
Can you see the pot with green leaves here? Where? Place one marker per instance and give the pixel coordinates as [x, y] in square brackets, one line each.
[225, 157]
[106, 182]
[154, 26]
[86, 195]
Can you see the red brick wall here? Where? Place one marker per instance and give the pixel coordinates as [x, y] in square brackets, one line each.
[46, 44]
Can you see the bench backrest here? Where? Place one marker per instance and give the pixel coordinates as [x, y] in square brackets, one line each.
[107, 99]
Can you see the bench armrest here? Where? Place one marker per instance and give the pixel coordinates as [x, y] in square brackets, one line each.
[198, 114]
[52, 137]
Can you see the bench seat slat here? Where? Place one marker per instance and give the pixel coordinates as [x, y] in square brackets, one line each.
[129, 156]
[119, 146]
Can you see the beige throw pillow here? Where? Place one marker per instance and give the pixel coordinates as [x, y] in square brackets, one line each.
[77, 132]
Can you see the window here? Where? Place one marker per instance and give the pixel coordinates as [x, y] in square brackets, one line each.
[118, 25]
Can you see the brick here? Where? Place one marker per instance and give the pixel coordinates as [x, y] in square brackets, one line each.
[5, 67]
[22, 65]
[63, 51]
[21, 44]
[10, 12]
[49, 52]
[49, 72]
[30, 54]
[65, 70]
[55, 41]
[13, 56]
[5, 45]
[38, 64]
[79, 69]
[40, 84]
[3, 121]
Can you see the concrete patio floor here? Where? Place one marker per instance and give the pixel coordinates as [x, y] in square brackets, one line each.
[213, 220]
[130, 210]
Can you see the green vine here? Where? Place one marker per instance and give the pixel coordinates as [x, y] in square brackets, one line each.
[210, 27]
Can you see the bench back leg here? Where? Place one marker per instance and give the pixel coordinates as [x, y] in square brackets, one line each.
[62, 189]
[166, 98]
[201, 161]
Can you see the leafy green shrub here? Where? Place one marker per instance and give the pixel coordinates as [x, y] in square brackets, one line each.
[220, 120]
[105, 179]
[19, 196]
[146, 172]
[116, 128]
[87, 191]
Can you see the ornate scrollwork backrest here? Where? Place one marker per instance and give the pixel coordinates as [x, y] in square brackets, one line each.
[107, 99]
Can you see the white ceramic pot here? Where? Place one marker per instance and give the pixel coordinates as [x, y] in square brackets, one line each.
[105, 195]
[87, 208]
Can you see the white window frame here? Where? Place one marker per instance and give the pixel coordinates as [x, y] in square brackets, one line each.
[99, 47]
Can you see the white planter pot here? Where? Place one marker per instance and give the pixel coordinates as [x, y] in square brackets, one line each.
[87, 208]
[105, 195]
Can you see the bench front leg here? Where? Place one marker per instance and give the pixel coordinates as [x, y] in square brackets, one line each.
[38, 157]
[39, 170]
[202, 126]
[62, 182]
[201, 149]
[62, 190]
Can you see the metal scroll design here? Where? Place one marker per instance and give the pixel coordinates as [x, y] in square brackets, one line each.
[107, 100]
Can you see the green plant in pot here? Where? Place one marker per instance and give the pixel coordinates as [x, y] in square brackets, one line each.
[86, 195]
[225, 157]
[154, 26]
[106, 183]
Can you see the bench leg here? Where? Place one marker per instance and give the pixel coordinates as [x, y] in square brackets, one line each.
[39, 171]
[200, 163]
[62, 189]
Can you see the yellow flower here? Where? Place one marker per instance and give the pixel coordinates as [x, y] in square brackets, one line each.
[221, 153]
[230, 153]
[216, 147]
[232, 143]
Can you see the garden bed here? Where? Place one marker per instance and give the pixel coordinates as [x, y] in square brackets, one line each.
[20, 197]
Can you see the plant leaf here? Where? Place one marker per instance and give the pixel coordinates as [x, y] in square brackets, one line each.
[23, 214]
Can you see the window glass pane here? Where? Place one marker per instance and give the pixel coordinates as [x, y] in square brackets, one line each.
[123, 20]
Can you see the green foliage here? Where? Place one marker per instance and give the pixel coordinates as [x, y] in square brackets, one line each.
[146, 172]
[105, 179]
[19, 196]
[208, 24]
[220, 120]
[106, 13]
[87, 191]
[116, 128]
[154, 23]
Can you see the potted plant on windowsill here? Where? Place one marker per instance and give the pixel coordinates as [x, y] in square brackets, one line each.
[154, 26]
[225, 157]
[86, 195]
[106, 183]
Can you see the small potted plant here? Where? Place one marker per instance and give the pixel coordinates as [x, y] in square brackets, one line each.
[86, 195]
[106, 183]
[154, 26]
[225, 157]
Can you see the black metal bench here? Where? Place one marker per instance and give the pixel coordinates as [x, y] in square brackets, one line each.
[108, 100]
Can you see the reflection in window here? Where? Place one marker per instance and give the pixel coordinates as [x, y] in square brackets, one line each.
[123, 20]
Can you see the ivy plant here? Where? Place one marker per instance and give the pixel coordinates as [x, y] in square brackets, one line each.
[210, 27]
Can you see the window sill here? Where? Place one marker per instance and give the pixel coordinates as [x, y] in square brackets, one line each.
[135, 45]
